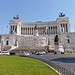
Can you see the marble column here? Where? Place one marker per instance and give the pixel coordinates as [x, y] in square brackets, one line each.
[27, 30]
[54, 29]
[24, 31]
[50, 29]
[11, 29]
[66, 28]
[39, 30]
[21, 31]
[33, 30]
[61, 28]
[30, 30]
[42, 30]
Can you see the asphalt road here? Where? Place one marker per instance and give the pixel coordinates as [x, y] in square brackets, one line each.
[64, 60]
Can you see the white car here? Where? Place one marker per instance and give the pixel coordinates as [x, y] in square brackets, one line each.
[5, 53]
[24, 53]
[40, 53]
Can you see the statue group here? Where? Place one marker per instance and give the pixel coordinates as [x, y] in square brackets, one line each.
[17, 17]
[61, 15]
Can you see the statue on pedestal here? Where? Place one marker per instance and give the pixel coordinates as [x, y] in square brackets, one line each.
[56, 40]
[35, 28]
[35, 31]
[58, 45]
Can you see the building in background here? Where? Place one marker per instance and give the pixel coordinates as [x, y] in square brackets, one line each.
[23, 36]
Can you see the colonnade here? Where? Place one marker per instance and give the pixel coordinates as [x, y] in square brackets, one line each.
[30, 30]
[12, 28]
[64, 27]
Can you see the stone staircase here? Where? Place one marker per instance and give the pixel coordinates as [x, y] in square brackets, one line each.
[33, 48]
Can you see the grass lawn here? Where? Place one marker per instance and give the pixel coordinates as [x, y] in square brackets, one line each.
[14, 65]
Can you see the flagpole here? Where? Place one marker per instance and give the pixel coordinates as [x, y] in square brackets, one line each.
[48, 37]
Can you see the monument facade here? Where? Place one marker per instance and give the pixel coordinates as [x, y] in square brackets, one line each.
[31, 34]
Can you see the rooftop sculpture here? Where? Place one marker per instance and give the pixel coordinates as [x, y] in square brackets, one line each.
[61, 15]
[17, 17]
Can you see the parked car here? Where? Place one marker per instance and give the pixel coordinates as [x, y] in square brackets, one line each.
[0, 53]
[5, 53]
[24, 53]
[12, 53]
[40, 53]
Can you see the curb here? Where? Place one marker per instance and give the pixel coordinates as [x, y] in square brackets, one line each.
[46, 64]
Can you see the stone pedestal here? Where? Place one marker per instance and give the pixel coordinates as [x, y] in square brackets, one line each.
[59, 49]
[51, 46]
[36, 33]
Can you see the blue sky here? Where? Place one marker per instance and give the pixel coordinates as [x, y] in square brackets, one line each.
[36, 10]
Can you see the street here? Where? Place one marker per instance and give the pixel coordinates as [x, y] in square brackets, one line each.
[66, 61]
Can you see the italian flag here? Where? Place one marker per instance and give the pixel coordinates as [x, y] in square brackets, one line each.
[46, 29]
[13, 31]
